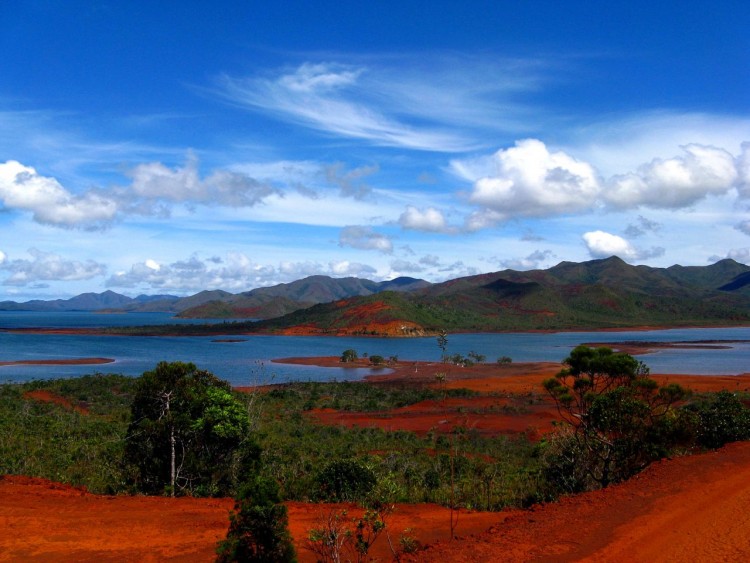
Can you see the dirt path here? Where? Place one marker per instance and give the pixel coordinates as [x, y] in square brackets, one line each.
[693, 509]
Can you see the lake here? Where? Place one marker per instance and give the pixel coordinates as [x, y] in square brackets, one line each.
[249, 360]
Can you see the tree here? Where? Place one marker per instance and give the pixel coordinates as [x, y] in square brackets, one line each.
[621, 419]
[349, 355]
[187, 432]
[259, 526]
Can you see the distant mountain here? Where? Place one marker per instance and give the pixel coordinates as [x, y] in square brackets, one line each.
[597, 294]
[281, 299]
[260, 303]
[83, 302]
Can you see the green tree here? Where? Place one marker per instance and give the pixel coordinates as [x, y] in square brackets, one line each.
[621, 419]
[349, 355]
[187, 432]
[258, 528]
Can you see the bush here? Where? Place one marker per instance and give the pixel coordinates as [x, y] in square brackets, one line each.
[720, 419]
[345, 480]
[349, 355]
[258, 529]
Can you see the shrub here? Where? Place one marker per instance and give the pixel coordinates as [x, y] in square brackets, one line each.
[345, 480]
[720, 419]
[349, 355]
[258, 529]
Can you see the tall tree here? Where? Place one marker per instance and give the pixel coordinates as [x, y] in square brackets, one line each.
[187, 432]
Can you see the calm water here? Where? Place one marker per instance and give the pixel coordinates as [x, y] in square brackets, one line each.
[249, 361]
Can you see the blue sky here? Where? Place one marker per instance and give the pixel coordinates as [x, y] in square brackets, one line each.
[170, 147]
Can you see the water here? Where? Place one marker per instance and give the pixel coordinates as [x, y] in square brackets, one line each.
[249, 360]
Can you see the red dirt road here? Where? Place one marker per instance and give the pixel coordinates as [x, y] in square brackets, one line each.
[695, 508]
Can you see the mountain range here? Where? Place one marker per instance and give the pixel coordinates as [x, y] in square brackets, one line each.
[596, 294]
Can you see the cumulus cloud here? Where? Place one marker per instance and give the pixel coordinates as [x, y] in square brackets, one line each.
[604, 245]
[601, 244]
[430, 220]
[153, 189]
[642, 227]
[157, 182]
[346, 268]
[236, 272]
[406, 267]
[531, 181]
[533, 261]
[675, 182]
[46, 266]
[365, 238]
[23, 188]
[739, 254]
[350, 182]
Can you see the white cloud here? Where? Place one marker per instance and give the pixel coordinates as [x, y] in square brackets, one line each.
[156, 182]
[741, 255]
[384, 103]
[675, 182]
[21, 187]
[365, 238]
[430, 220]
[604, 245]
[601, 244]
[346, 268]
[235, 273]
[154, 188]
[46, 266]
[531, 181]
[350, 182]
[400, 267]
[533, 261]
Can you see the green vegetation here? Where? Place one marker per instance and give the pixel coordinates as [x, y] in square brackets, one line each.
[258, 528]
[187, 433]
[116, 434]
[620, 419]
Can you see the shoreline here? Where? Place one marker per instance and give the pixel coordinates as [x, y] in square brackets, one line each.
[59, 362]
[303, 331]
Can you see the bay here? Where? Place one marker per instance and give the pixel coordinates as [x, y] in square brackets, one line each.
[248, 359]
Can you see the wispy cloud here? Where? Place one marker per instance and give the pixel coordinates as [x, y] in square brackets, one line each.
[396, 102]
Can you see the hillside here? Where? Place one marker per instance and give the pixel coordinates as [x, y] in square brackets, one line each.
[598, 294]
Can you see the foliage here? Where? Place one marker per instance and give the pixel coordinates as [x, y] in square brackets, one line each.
[719, 419]
[621, 419]
[187, 433]
[349, 355]
[504, 360]
[377, 360]
[345, 480]
[258, 529]
[57, 442]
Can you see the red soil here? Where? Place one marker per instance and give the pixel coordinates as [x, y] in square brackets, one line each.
[686, 509]
[47, 397]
